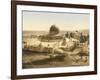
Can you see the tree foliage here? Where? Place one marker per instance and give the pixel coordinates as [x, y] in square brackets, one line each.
[53, 30]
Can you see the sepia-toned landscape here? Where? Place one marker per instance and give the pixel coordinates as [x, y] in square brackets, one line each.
[55, 45]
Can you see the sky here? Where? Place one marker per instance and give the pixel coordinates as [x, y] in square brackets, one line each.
[41, 21]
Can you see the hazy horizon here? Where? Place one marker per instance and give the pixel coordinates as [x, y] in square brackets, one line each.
[41, 21]
[60, 30]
